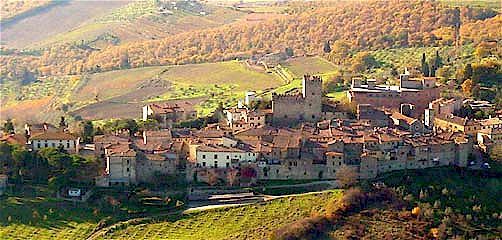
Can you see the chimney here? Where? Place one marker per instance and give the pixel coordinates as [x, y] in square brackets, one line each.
[46, 127]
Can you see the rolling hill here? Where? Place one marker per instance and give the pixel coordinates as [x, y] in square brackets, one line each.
[121, 93]
[53, 20]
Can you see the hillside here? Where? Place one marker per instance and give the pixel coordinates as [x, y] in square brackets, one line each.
[386, 25]
[121, 93]
[247, 222]
[10, 9]
[54, 20]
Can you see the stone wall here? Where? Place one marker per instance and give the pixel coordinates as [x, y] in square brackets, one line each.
[393, 100]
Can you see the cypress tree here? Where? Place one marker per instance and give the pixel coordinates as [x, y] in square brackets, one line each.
[425, 67]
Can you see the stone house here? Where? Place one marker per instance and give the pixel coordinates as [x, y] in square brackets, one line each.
[167, 114]
[120, 165]
[452, 123]
[406, 123]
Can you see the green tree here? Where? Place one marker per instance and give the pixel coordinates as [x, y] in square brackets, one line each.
[62, 123]
[8, 126]
[289, 52]
[327, 47]
[438, 62]
[425, 67]
[339, 52]
[467, 73]
[426, 70]
[87, 131]
[363, 61]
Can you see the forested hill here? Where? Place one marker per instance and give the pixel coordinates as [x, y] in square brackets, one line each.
[370, 25]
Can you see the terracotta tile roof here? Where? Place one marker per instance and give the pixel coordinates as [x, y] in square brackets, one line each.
[153, 145]
[53, 136]
[286, 142]
[457, 120]
[14, 139]
[120, 150]
[166, 133]
[216, 148]
[259, 131]
[491, 121]
[109, 138]
[406, 119]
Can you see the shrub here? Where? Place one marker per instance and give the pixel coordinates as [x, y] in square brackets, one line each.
[307, 228]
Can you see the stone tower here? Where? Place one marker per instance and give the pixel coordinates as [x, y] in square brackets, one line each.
[307, 106]
[312, 94]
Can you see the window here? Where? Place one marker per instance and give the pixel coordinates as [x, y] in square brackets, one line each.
[203, 156]
[53, 144]
[216, 164]
[203, 164]
[313, 116]
[127, 169]
[228, 157]
[46, 145]
[38, 145]
[68, 145]
[228, 165]
[215, 156]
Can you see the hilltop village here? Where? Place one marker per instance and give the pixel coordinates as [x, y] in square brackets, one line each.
[407, 126]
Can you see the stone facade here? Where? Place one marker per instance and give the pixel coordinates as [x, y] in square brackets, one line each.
[307, 106]
[417, 92]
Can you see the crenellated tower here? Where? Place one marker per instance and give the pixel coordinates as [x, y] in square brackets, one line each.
[307, 106]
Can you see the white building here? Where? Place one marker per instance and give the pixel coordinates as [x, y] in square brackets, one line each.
[214, 156]
[67, 141]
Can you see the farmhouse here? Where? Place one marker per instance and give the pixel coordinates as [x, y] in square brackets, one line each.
[62, 140]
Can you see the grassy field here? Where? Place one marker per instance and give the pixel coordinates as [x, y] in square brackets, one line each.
[247, 222]
[31, 212]
[224, 82]
[338, 96]
[300, 66]
[112, 84]
[495, 4]
[41, 217]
